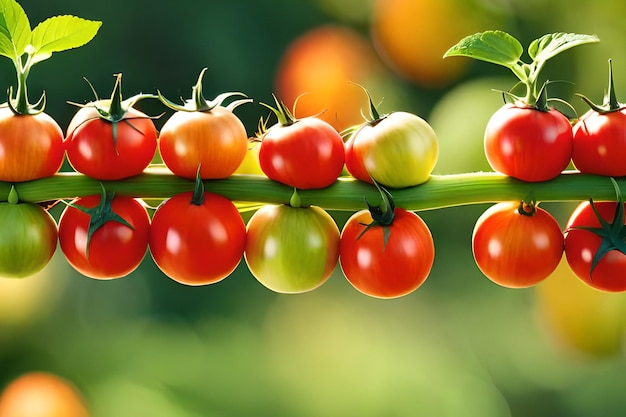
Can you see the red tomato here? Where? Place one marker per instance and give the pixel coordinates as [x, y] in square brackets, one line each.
[306, 154]
[581, 247]
[216, 140]
[528, 144]
[197, 243]
[516, 250]
[115, 250]
[31, 146]
[94, 150]
[600, 143]
[386, 271]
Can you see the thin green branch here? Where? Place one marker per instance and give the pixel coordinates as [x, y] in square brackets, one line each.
[346, 194]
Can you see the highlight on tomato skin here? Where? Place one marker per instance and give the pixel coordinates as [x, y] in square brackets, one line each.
[515, 249]
[386, 267]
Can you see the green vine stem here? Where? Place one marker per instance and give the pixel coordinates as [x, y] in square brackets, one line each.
[346, 194]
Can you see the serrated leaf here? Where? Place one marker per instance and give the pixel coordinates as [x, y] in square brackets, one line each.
[15, 32]
[493, 46]
[60, 33]
[552, 44]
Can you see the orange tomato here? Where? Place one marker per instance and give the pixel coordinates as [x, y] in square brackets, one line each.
[41, 394]
[319, 66]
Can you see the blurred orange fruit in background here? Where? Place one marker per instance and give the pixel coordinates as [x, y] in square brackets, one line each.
[41, 394]
[412, 36]
[320, 66]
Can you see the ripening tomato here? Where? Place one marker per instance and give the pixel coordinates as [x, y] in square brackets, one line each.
[396, 150]
[197, 240]
[114, 249]
[216, 140]
[515, 248]
[31, 146]
[528, 144]
[28, 239]
[105, 150]
[582, 246]
[388, 269]
[306, 153]
[292, 249]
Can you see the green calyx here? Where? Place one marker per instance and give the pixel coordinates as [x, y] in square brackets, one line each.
[284, 116]
[100, 215]
[198, 103]
[613, 234]
[198, 190]
[610, 103]
[115, 110]
[498, 47]
[382, 214]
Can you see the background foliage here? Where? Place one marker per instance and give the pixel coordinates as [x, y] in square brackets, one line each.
[460, 345]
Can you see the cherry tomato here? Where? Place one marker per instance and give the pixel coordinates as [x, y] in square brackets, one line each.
[386, 270]
[95, 150]
[581, 248]
[528, 144]
[306, 153]
[290, 249]
[600, 142]
[515, 248]
[197, 242]
[114, 249]
[31, 146]
[397, 150]
[216, 140]
[28, 239]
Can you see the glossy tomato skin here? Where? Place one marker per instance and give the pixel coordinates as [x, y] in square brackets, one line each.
[91, 149]
[581, 246]
[600, 143]
[390, 271]
[28, 239]
[31, 146]
[197, 244]
[516, 250]
[307, 154]
[115, 250]
[292, 250]
[528, 144]
[398, 151]
[215, 140]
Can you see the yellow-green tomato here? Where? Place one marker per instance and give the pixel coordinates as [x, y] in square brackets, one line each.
[291, 250]
[397, 150]
[28, 239]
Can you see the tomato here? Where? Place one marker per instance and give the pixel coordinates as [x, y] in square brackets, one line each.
[42, 394]
[600, 142]
[600, 136]
[386, 270]
[31, 146]
[197, 240]
[306, 153]
[528, 144]
[93, 148]
[292, 249]
[515, 248]
[396, 150]
[582, 247]
[114, 249]
[28, 239]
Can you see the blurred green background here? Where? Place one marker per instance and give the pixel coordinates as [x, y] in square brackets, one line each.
[459, 346]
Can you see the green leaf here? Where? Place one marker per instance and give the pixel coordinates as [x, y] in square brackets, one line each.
[492, 46]
[552, 44]
[60, 33]
[15, 33]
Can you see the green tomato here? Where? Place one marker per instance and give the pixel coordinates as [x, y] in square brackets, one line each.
[291, 250]
[28, 239]
[397, 150]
